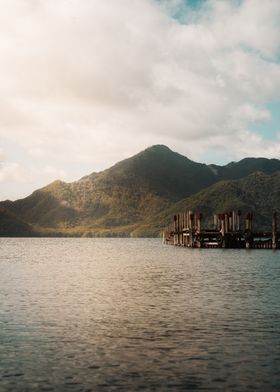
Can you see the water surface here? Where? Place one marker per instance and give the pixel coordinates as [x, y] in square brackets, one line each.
[134, 315]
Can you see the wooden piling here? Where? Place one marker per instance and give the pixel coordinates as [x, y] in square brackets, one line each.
[230, 221]
[226, 222]
[238, 220]
[222, 218]
[233, 221]
[216, 222]
[274, 231]
[191, 217]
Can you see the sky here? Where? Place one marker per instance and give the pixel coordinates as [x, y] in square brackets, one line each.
[84, 84]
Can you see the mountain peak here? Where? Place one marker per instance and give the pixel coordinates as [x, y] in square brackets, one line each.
[128, 194]
[163, 152]
[158, 147]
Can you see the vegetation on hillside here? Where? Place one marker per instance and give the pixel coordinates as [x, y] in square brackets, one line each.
[258, 193]
[12, 226]
[137, 196]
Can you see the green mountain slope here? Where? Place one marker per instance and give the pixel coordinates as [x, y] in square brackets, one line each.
[122, 196]
[258, 193]
[12, 226]
[245, 167]
[121, 200]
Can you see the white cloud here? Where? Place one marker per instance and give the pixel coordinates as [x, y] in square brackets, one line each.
[88, 83]
[254, 24]
[12, 172]
[54, 172]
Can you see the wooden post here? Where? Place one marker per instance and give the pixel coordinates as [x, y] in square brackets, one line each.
[181, 230]
[226, 222]
[195, 221]
[198, 218]
[247, 224]
[222, 218]
[178, 229]
[250, 221]
[175, 230]
[238, 220]
[248, 230]
[219, 222]
[215, 222]
[198, 231]
[187, 228]
[191, 230]
[233, 221]
[274, 231]
[230, 221]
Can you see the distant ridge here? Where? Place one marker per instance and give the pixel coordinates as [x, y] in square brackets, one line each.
[135, 196]
[245, 167]
[258, 193]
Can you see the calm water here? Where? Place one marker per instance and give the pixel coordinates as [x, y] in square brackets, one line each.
[133, 315]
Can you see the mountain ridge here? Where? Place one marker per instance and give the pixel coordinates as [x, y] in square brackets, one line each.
[258, 193]
[122, 199]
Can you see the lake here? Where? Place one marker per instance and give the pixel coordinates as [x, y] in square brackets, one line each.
[135, 315]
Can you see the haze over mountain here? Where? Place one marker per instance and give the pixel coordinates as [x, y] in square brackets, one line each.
[138, 195]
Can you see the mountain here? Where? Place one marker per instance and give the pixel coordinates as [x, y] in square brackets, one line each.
[122, 200]
[258, 193]
[120, 197]
[245, 167]
[12, 226]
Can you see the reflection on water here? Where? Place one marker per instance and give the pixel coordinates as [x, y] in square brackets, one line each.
[132, 314]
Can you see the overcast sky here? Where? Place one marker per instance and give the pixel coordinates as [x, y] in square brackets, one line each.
[87, 83]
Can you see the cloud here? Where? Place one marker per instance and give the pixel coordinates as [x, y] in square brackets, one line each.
[253, 24]
[53, 172]
[88, 83]
[11, 171]
[15, 180]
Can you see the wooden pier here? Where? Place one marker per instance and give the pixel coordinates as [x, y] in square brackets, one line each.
[187, 230]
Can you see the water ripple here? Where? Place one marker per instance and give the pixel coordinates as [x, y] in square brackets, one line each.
[133, 315]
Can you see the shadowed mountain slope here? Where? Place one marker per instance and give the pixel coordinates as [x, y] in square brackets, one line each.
[245, 167]
[258, 193]
[12, 226]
